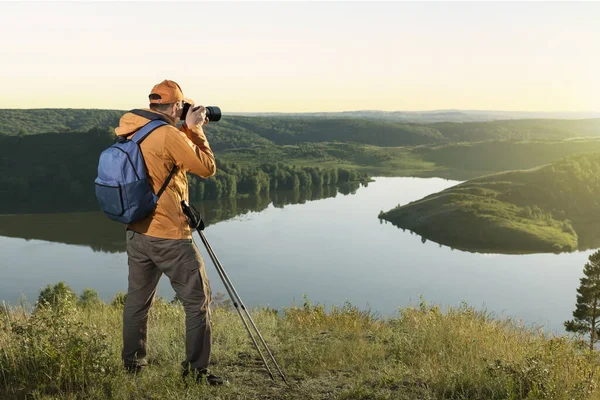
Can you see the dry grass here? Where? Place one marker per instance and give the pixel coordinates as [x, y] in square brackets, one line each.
[71, 352]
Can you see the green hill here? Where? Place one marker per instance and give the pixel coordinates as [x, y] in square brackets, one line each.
[495, 156]
[551, 208]
[244, 131]
[43, 120]
[287, 131]
[524, 129]
[232, 131]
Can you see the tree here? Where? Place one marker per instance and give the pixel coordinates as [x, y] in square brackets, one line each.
[213, 188]
[343, 175]
[232, 186]
[305, 179]
[200, 191]
[333, 176]
[587, 312]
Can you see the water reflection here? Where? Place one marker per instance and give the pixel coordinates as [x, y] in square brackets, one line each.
[93, 229]
[588, 238]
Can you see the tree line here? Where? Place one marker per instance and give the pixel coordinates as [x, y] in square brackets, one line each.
[233, 179]
[55, 172]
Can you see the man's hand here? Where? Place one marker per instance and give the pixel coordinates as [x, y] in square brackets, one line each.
[196, 118]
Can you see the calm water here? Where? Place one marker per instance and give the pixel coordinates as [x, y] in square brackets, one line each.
[332, 250]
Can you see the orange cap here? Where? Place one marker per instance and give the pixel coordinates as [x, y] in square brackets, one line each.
[168, 92]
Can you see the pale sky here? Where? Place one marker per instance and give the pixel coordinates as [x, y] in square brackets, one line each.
[303, 57]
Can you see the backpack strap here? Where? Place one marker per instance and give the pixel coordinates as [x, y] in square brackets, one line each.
[164, 186]
[147, 129]
[155, 122]
[149, 115]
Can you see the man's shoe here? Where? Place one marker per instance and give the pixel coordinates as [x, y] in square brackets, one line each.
[211, 379]
[135, 367]
[202, 374]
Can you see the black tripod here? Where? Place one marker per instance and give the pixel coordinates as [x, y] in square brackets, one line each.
[196, 222]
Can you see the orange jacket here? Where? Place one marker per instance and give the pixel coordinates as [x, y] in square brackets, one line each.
[166, 146]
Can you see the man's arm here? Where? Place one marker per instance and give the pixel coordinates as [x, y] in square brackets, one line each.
[191, 152]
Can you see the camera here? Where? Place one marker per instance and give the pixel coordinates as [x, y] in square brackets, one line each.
[213, 113]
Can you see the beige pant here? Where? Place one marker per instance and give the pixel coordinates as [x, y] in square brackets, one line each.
[149, 257]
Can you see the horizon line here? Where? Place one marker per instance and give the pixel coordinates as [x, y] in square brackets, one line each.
[334, 112]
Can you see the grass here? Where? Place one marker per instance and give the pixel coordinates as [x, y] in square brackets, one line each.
[71, 351]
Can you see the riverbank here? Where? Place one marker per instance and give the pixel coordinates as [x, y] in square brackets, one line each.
[71, 350]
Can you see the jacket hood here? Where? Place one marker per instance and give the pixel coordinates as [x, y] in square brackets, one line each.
[130, 122]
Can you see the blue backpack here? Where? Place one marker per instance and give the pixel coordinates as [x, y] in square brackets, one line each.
[122, 187]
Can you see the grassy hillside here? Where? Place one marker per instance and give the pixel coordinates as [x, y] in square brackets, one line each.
[551, 208]
[71, 349]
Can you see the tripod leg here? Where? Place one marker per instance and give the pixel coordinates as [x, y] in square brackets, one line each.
[235, 303]
[225, 277]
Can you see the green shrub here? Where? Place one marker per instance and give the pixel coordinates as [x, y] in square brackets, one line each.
[57, 296]
[119, 300]
[54, 343]
[219, 300]
[89, 298]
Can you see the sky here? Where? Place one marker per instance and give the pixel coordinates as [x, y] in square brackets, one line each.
[303, 56]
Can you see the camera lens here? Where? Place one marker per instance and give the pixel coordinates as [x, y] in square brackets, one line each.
[213, 113]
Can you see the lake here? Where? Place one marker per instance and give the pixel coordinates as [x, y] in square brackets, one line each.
[332, 250]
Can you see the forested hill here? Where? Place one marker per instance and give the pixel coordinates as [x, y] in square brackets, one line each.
[45, 120]
[551, 208]
[524, 129]
[243, 131]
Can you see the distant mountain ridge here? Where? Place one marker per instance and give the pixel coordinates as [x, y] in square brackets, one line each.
[433, 115]
[235, 131]
[43, 120]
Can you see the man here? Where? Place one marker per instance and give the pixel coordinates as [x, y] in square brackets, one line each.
[162, 243]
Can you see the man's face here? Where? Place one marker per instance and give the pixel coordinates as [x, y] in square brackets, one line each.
[178, 109]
